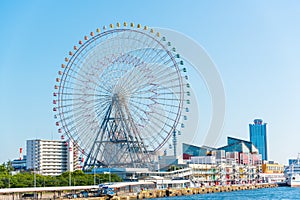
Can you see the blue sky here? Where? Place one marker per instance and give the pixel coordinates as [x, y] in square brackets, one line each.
[254, 44]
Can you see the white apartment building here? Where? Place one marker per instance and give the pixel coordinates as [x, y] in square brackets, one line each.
[52, 157]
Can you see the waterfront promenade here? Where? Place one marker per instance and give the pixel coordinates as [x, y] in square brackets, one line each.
[60, 192]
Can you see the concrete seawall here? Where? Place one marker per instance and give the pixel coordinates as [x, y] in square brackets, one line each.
[148, 194]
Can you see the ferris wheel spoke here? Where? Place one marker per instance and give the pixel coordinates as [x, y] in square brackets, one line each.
[85, 95]
[166, 73]
[102, 104]
[146, 74]
[80, 100]
[66, 89]
[159, 117]
[84, 128]
[99, 86]
[138, 77]
[154, 44]
[145, 50]
[156, 139]
[99, 108]
[86, 136]
[171, 86]
[156, 98]
[160, 55]
[170, 83]
[76, 80]
[100, 111]
[154, 94]
[154, 103]
[84, 121]
[159, 134]
[79, 103]
[68, 113]
[155, 87]
[87, 119]
[87, 78]
[139, 109]
[150, 111]
[99, 102]
[78, 114]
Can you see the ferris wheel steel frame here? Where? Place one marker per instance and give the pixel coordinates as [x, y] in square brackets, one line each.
[118, 131]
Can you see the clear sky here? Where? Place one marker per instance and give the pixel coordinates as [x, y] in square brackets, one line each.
[254, 44]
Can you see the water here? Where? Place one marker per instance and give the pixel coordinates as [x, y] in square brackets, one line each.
[266, 193]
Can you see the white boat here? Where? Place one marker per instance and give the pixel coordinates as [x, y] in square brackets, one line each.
[292, 172]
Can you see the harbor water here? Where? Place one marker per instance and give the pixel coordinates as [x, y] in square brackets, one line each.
[266, 193]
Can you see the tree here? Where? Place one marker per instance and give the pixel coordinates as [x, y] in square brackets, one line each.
[26, 179]
[9, 166]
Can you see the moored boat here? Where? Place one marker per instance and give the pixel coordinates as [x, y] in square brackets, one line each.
[292, 172]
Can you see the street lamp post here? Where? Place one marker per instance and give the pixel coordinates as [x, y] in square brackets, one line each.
[70, 178]
[94, 175]
[34, 178]
[109, 176]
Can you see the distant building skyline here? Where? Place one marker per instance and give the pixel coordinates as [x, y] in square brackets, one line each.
[241, 149]
[258, 136]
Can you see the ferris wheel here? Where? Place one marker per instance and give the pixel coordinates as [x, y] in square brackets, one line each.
[120, 95]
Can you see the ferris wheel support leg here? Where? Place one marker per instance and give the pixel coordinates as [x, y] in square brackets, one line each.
[91, 160]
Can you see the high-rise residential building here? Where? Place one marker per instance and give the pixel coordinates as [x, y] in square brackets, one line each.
[258, 136]
[51, 157]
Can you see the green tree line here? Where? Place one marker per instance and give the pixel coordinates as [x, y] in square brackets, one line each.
[31, 179]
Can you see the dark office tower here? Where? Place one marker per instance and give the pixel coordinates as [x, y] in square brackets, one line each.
[258, 137]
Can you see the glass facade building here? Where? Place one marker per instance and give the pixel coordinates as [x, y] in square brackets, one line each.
[258, 136]
[192, 150]
[235, 144]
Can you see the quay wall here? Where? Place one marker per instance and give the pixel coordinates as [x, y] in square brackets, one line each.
[148, 194]
[155, 193]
